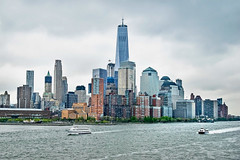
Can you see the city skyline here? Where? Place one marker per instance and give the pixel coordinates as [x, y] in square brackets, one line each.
[193, 48]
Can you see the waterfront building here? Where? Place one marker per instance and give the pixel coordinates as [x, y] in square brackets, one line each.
[58, 84]
[101, 73]
[166, 103]
[198, 105]
[97, 98]
[170, 92]
[5, 100]
[155, 112]
[24, 113]
[24, 96]
[81, 93]
[122, 53]
[210, 108]
[166, 111]
[65, 88]
[185, 109]
[78, 110]
[118, 106]
[149, 82]
[223, 111]
[70, 98]
[127, 77]
[142, 107]
[155, 101]
[30, 80]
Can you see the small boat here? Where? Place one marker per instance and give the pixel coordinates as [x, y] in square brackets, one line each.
[203, 131]
[76, 130]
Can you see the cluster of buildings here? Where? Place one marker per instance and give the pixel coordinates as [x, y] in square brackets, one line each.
[113, 92]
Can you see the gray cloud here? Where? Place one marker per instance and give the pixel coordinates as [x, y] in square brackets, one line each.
[197, 41]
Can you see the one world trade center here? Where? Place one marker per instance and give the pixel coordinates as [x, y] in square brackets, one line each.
[122, 45]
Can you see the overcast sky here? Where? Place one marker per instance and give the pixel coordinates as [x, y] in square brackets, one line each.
[197, 41]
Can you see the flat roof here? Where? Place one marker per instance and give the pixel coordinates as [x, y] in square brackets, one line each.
[19, 109]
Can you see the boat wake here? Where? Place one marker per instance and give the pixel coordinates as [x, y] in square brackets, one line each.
[224, 130]
[106, 131]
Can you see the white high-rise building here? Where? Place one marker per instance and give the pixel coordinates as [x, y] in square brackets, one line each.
[127, 77]
[81, 93]
[149, 82]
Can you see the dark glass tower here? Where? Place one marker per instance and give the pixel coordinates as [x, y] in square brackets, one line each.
[122, 45]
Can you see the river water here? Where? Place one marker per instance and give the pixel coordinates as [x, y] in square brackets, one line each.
[125, 141]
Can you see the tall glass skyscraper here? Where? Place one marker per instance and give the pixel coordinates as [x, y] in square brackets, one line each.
[100, 73]
[30, 80]
[122, 45]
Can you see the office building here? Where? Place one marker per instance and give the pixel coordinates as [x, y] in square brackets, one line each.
[185, 109]
[81, 93]
[30, 80]
[198, 106]
[5, 100]
[58, 84]
[65, 88]
[24, 96]
[122, 53]
[101, 73]
[36, 100]
[97, 98]
[127, 77]
[210, 108]
[47, 95]
[223, 111]
[110, 69]
[180, 88]
[149, 82]
[70, 98]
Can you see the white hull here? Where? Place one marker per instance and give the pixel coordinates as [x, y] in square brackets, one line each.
[75, 130]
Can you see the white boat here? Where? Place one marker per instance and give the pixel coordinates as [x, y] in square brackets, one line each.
[203, 131]
[76, 130]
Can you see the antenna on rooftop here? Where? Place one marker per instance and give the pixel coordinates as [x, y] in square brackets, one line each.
[122, 21]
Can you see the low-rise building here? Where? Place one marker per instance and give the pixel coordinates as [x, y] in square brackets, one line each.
[24, 113]
[78, 110]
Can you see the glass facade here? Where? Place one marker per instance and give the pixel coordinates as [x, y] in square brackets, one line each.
[122, 53]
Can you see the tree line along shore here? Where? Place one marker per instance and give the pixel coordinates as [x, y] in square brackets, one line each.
[103, 120]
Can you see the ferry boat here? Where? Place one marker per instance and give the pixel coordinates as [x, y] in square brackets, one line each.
[203, 131]
[76, 130]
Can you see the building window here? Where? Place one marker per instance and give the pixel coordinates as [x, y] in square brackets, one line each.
[149, 74]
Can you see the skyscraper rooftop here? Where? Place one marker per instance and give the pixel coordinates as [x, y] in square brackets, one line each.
[122, 53]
